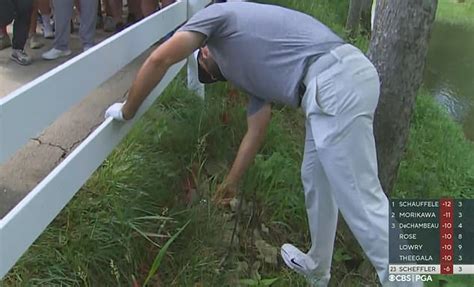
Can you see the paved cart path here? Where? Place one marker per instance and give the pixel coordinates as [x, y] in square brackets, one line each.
[20, 174]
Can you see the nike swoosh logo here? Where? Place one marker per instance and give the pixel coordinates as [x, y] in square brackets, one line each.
[296, 263]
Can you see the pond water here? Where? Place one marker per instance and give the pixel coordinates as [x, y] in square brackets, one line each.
[449, 72]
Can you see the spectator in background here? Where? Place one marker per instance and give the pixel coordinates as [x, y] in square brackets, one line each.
[114, 14]
[151, 6]
[45, 11]
[100, 19]
[134, 11]
[113, 19]
[18, 11]
[62, 18]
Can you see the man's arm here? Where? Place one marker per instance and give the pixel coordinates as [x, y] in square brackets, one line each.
[256, 129]
[177, 48]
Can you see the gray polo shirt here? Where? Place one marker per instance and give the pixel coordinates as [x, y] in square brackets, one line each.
[262, 49]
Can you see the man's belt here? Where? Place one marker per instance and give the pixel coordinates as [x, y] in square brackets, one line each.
[321, 64]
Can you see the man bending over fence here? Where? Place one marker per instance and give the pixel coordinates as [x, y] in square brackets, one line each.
[280, 55]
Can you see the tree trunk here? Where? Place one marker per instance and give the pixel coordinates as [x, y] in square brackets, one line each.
[353, 17]
[365, 15]
[398, 49]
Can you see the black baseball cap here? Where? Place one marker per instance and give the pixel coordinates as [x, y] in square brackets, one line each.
[205, 77]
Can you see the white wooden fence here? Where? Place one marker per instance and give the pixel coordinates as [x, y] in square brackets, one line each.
[29, 109]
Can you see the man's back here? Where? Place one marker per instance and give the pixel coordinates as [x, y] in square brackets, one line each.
[262, 49]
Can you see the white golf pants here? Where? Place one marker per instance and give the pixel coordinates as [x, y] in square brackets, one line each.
[339, 169]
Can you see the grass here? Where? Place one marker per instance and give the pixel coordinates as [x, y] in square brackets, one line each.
[451, 11]
[166, 170]
[439, 160]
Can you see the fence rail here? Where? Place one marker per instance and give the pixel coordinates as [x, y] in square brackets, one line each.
[31, 110]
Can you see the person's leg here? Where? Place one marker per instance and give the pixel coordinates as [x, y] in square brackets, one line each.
[76, 15]
[35, 42]
[45, 11]
[321, 208]
[7, 13]
[352, 171]
[21, 25]
[44, 7]
[116, 9]
[107, 8]
[100, 20]
[34, 17]
[109, 24]
[88, 22]
[342, 124]
[134, 11]
[165, 3]
[149, 7]
[62, 19]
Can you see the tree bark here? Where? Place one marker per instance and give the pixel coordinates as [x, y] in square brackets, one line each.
[398, 49]
[353, 17]
[365, 15]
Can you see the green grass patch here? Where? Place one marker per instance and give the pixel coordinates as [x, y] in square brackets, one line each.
[332, 13]
[114, 228]
[454, 12]
[439, 161]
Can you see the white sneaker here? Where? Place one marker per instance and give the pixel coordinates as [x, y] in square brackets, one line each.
[54, 54]
[297, 260]
[20, 57]
[303, 264]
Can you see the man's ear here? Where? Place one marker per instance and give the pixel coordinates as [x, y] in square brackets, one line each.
[205, 52]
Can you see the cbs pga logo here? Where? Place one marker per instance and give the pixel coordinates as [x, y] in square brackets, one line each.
[409, 278]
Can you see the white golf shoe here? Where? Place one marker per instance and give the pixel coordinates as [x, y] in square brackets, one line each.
[297, 260]
[54, 54]
[303, 264]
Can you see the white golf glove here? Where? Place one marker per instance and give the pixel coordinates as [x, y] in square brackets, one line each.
[115, 111]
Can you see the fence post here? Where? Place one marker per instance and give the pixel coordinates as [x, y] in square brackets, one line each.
[192, 67]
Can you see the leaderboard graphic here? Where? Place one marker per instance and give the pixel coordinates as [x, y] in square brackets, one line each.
[431, 236]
